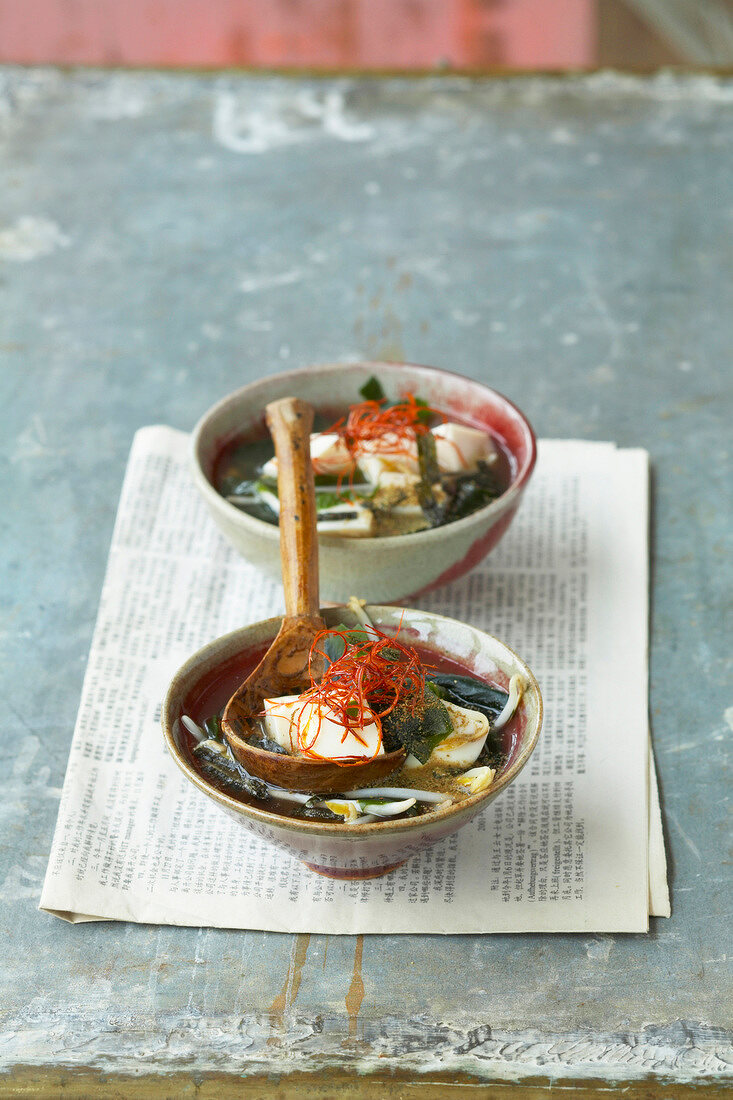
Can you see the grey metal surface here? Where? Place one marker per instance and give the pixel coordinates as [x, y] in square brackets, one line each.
[164, 239]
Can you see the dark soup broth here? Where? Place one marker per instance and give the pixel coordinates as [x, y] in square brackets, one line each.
[211, 694]
[237, 474]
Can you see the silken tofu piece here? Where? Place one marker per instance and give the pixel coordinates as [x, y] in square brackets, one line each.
[329, 455]
[348, 520]
[387, 455]
[458, 449]
[292, 720]
[461, 448]
[461, 747]
[398, 493]
[352, 521]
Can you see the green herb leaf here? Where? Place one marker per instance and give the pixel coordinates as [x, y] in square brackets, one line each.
[212, 727]
[372, 390]
[425, 415]
[334, 646]
[328, 481]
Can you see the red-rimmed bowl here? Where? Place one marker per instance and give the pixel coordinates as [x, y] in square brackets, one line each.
[389, 568]
[354, 851]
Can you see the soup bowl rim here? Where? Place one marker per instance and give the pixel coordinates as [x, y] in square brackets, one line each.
[363, 545]
[319, 828]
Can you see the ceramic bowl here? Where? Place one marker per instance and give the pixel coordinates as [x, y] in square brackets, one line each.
[378, 569]
[359, 851]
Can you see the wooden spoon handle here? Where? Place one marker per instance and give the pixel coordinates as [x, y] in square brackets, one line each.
[290, 421]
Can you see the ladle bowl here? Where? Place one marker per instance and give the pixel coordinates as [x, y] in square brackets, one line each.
[298, 773]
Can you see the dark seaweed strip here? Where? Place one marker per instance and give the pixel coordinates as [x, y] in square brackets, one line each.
[469, 692]
[262, 741]
[316, 813]
[227, 773]
[418, 726]
[473, 694]
[427, 455]
[326, 516]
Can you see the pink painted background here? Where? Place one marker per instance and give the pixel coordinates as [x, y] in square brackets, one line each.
[327, 34]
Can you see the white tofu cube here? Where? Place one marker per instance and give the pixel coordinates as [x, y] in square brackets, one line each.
[461, 448]
[348, 521]
[396, 491]
[387, 454]
[374, 467]
[329, 455]
[292, 720]
[461, 747]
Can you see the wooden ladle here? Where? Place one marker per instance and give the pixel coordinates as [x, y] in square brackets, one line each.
[284, 668]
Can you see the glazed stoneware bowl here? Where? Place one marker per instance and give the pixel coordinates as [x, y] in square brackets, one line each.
[358, 851]
[389, 568]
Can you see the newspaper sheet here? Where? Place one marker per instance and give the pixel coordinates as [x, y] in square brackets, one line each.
[565, 848]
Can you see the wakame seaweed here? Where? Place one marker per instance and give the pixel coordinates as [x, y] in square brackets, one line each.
[419, 726]
[427, 456]
[469, 692]
[316, 813]
[465, 493]
[473, 694]
[262, 741]
[218, 765]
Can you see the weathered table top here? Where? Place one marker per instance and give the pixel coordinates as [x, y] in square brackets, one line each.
[167, 238]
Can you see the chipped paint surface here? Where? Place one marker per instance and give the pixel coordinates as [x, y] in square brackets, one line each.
[554, 238]
[296, 1041]
[31, 237]
[284, 117]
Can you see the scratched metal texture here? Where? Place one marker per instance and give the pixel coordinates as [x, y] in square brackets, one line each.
[167, 238]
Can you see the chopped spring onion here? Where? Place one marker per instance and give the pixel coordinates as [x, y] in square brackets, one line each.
[397, 793]
[289, 796]
[387, 809]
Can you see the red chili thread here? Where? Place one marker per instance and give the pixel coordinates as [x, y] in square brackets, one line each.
[361, 687]
[358, 688]
[394, 427]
